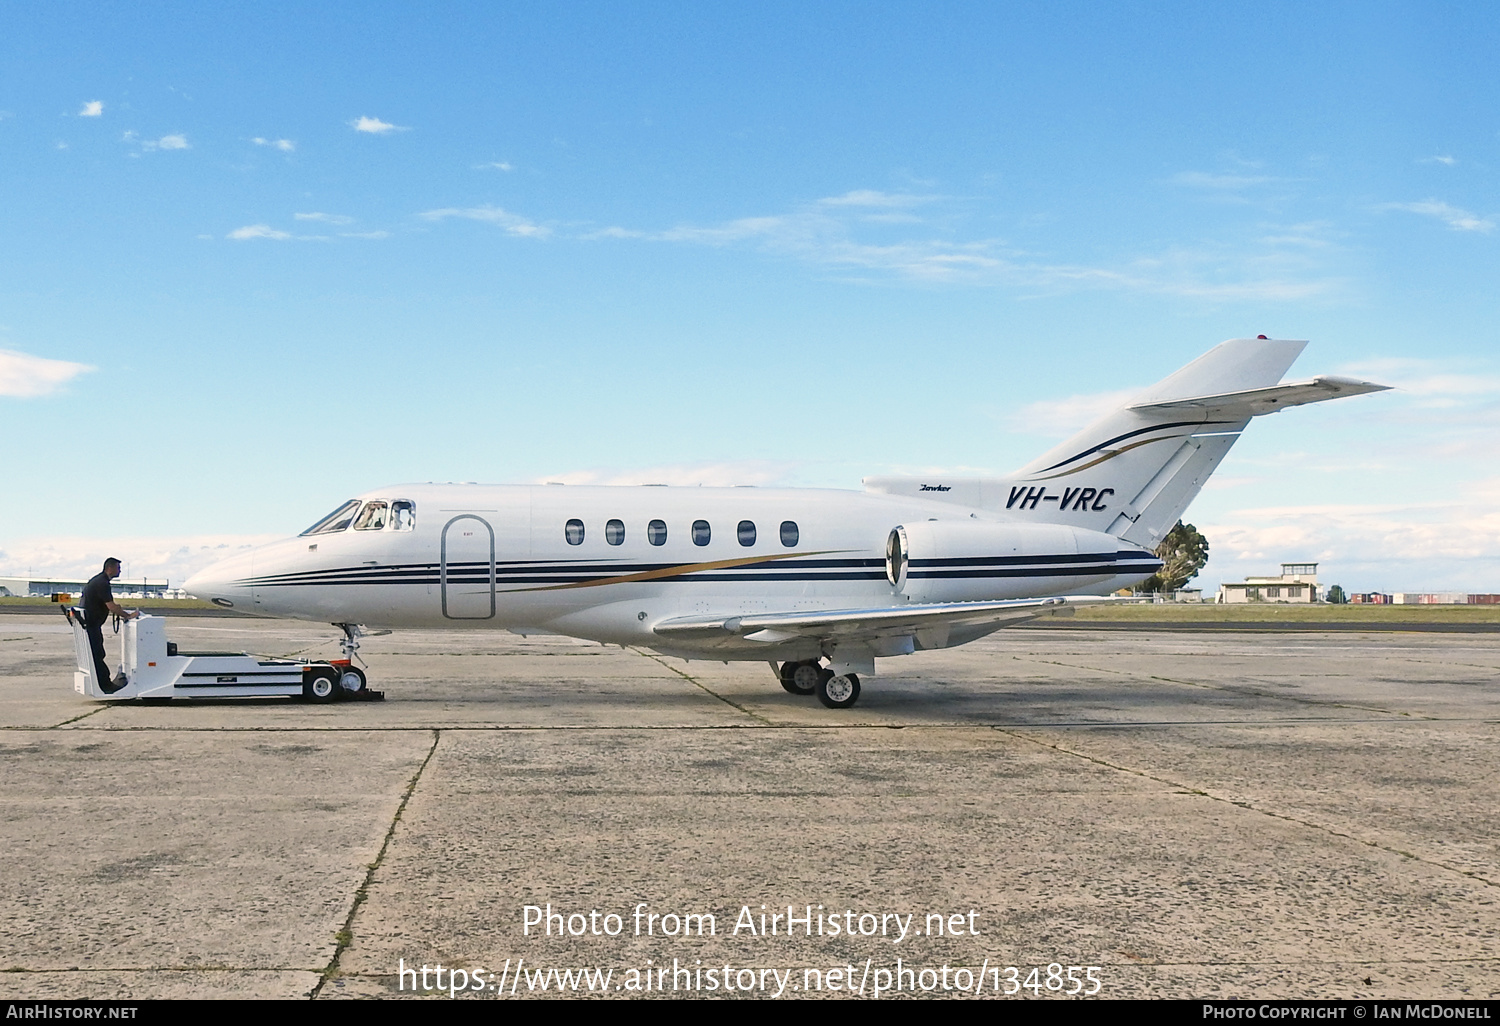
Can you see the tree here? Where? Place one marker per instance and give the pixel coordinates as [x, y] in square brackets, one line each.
[1182, 553]
[1336, 596]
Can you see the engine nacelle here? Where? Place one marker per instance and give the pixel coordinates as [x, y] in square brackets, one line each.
[972, 560]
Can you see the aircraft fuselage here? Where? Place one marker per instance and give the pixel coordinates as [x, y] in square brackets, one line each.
[611, 563]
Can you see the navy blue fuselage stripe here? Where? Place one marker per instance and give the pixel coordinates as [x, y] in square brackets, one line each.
[1082, 557]
[548, 572]
[539, 567]
[1132, 434]
[1074, 570]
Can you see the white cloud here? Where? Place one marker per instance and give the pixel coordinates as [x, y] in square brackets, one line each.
[166, 142]
[265, 231]
[875, 198]
[1427, 379]
[258, 231]
[92, 109]
[724, 474]
[1226, 183]
[24, 376]
[616, 232]
[513, 224]
[325, 218]
[498, 165]
[1059, 418]
[1445, 160]
[374, 126]
[176, 559]
[1454, 217]
[841, 234]
[1423, 546]
[284, 145]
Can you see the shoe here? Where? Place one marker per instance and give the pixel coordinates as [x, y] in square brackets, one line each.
[120, 683]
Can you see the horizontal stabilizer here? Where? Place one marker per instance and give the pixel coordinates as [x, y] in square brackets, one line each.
[1257, 401]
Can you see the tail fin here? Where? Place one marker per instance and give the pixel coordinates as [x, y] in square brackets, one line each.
[1153, 455]
[1133, 472]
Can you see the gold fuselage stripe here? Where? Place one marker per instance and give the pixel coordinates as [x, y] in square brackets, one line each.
[677, 571]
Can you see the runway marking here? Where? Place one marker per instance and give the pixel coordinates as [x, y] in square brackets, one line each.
[1250, 807]
[345, 936]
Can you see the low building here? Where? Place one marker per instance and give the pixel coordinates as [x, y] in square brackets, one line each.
[41, 587]
[1297, 582]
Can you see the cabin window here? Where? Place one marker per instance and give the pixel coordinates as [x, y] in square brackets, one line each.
[372, 517]
[335, 521]
[746, 533]
[701, 532]
[574, 532]
[614, 532]
[656, 532]
[789, 533]
[403, 515]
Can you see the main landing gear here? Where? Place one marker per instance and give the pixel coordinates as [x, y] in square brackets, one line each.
[836, 691]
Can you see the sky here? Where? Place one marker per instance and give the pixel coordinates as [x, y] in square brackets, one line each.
[255, 259]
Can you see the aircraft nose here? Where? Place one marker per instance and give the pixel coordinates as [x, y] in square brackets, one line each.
[224, 584]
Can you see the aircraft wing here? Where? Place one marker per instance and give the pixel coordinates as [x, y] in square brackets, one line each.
[1268, 400]
[928, 623]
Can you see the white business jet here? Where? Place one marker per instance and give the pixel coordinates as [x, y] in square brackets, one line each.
[797, 577]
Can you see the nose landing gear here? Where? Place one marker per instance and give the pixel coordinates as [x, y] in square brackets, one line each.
[350, 681]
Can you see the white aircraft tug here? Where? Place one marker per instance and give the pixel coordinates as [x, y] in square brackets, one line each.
[154, 670]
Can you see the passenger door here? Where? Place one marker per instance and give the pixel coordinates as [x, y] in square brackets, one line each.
[466, 569]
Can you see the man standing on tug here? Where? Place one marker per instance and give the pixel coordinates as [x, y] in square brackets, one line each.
[98, 603]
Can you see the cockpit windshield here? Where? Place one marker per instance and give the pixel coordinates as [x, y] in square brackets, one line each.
[373, 518]
[338, 520]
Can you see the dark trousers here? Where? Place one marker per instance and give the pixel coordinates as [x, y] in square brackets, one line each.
[96, 646]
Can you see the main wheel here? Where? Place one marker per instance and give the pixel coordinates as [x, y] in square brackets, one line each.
[352, 679]
[838, 691]
[800, 678]
[321, 685]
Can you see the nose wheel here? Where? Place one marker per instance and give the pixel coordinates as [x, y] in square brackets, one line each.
[350, 681]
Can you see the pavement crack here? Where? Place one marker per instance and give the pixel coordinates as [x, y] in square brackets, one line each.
[346, 935]
[1257, 692]
[1250, 806]
[704, 687]
[80, 716]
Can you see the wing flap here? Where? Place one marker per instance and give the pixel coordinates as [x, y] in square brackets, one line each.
[869, 624]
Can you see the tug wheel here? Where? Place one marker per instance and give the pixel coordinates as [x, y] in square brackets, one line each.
[321, 685]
